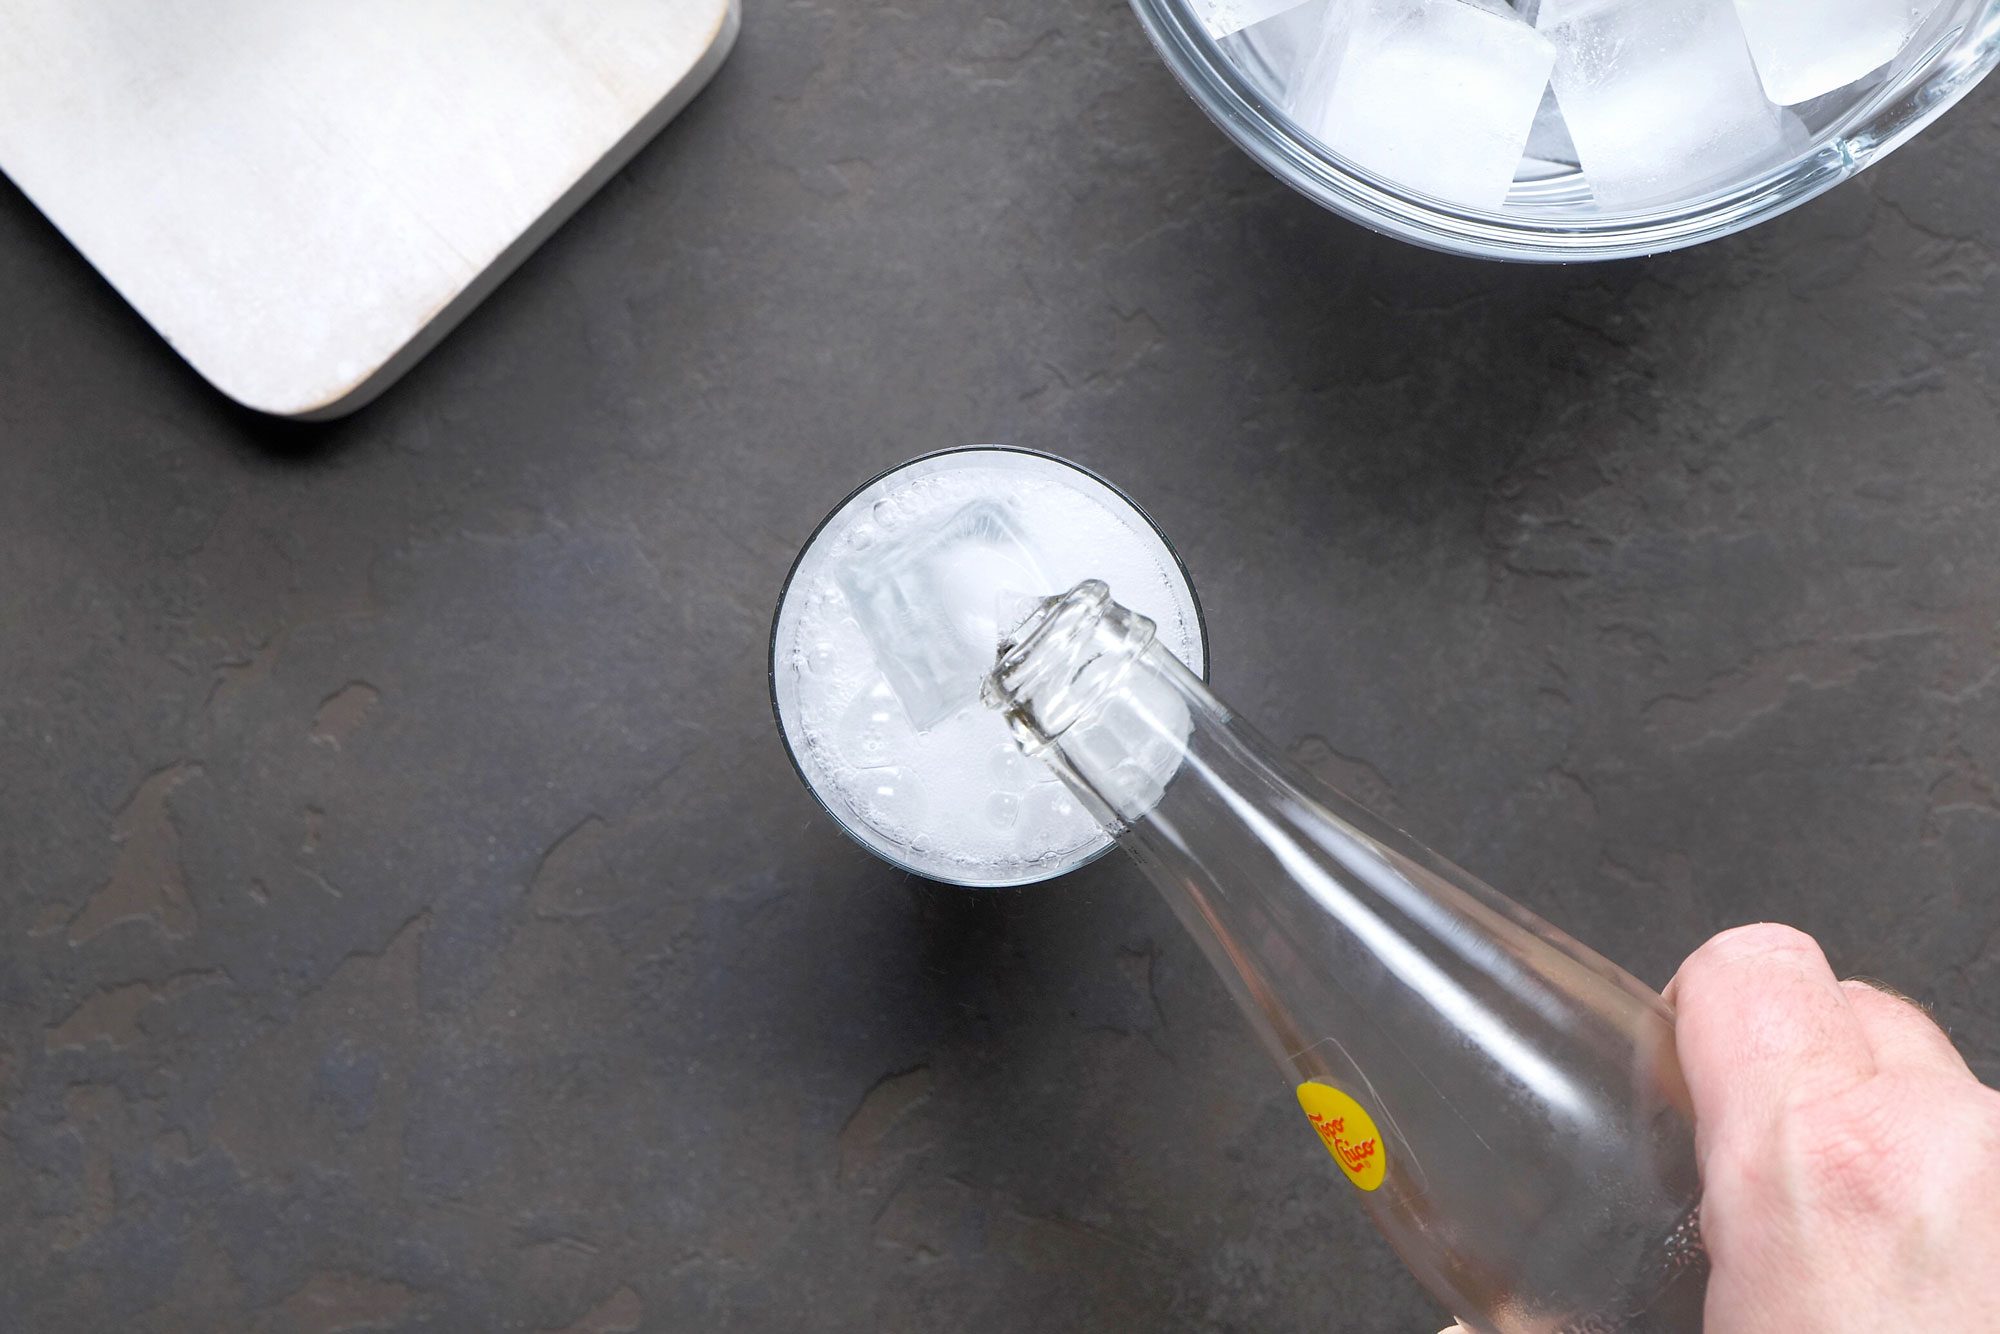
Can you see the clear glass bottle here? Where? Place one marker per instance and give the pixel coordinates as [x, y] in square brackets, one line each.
[1507, 1102]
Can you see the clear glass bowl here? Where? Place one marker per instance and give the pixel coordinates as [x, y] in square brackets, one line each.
[1550, 215]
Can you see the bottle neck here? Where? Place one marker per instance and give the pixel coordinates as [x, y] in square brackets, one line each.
[1247, 849]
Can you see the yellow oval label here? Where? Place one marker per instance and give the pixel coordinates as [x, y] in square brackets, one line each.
[1347, 1131]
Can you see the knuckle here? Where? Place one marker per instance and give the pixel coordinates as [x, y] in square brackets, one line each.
[1898, 1155]
[1848, 1153]
[1845, 1174]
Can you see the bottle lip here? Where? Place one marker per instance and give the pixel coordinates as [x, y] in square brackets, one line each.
[1040, 684]
[1046, 639]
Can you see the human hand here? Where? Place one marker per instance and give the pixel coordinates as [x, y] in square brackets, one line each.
[1850, 1162]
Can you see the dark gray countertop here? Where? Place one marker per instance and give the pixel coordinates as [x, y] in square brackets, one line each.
[409, 920]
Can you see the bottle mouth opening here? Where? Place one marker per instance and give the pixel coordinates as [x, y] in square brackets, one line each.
[1042, 682]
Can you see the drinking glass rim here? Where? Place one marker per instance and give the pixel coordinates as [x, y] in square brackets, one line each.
[784, 592]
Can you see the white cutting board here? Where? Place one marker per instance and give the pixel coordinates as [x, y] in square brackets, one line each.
[304, 196]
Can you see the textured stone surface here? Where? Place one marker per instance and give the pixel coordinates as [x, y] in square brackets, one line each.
[409, 921]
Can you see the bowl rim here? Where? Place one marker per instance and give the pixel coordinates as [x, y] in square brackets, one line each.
[1965, 49]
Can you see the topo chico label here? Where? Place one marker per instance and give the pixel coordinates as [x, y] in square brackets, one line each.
[1347, 1131]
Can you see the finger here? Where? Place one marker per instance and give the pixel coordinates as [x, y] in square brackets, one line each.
[1760, 1023]
[1900, 1035]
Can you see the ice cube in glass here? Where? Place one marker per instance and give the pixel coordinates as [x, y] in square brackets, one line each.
[930, 601]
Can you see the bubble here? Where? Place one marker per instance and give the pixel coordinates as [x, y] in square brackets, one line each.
[1011, 771]
[1052, 805]
[886, 513]
[872, 731]
[1051, 820]
[1002, 809]
[891, 800]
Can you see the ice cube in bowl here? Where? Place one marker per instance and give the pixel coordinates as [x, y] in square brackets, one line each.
[1806, 48]
[1436, 95]
[1764, 162]
[1223, 17]
[1659, 96]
